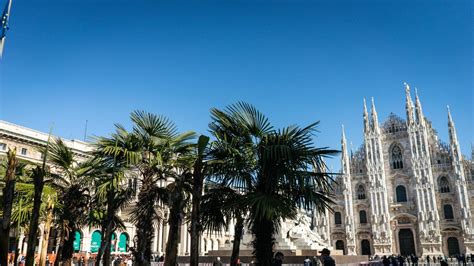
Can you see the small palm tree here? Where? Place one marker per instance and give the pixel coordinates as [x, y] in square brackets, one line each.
[71, 181]
[221, 204]
[7, 204]
[38, 175]
[277, 173]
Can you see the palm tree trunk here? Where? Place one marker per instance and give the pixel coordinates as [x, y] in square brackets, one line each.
[104, 243]
[46, 232]
[195, 224]
[263, 243]
[238, 231]
[107, 247]
[144, 223]
[17, 250]
[174, 222]
[8, 193]
[68, 247]
[38, 177]
[104, 250]
[59, 252]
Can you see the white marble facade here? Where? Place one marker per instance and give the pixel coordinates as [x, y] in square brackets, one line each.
[404, 191]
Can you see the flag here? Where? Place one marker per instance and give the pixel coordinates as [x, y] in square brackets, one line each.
[4, 24]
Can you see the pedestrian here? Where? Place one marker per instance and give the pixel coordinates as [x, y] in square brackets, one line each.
[326, 259]
[307, 261]
[217, 262]
[278, 259]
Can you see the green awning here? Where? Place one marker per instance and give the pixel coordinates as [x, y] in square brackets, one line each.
[95, 242]
[77, 241]
[123, 241]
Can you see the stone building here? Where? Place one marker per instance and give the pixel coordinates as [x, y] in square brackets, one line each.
[27, 141]
[404, 191]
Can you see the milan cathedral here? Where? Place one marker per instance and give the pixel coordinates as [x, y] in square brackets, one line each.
[404, 191]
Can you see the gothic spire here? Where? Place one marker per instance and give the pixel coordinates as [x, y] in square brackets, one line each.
[453, 138]
[419, 111]
[375, 119]
[409, 105]
[345, 157]
[366, 118]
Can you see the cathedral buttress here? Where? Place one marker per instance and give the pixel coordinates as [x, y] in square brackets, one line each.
[461, 186]
[348, 204]
[428, 217]
[380, 219]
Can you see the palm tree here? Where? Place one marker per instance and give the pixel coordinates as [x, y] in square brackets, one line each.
[38, 175]
[115, 154]
[50, 201]
[111, 196]
[150, 150]
[8, 194]
[200, 171]
[24, 206]
[282, 176]
[221, 204]
[71, 181]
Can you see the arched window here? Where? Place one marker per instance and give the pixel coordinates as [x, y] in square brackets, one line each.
[337, 218]
[396, 157]
[77, 241]
[401, 194]
[361, 192]
[123, 242]
[96, 241]
[443, 185]
[362, 217]
[448, 212]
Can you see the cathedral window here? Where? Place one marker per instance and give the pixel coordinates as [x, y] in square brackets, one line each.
[443, 185]
[396, 158]
[448, 212]
[340, 245]
[361, 192]
[401, 194]
[337, 218]
[362, 217]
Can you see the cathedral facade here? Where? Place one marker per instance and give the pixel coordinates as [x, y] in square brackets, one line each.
[404, 191]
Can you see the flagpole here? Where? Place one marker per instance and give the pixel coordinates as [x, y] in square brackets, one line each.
[7, 14]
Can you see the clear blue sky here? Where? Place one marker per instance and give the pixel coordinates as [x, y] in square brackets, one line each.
[70, 61]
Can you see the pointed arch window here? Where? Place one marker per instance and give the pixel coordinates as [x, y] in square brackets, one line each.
[396, 157]
[337, 218]
[401, 194]
[448, 211]
[361, 192]
[362, 217]
[443, 185]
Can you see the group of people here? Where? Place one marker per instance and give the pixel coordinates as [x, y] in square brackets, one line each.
[395, 260]
[324, 260]
[116, 260]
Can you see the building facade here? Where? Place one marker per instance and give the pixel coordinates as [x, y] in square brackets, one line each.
[404, 191]
[27, 143]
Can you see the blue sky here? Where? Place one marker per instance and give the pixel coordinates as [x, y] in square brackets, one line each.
[69, 61]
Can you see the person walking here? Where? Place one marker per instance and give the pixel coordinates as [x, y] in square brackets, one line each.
[217, 262]
[326, 259]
